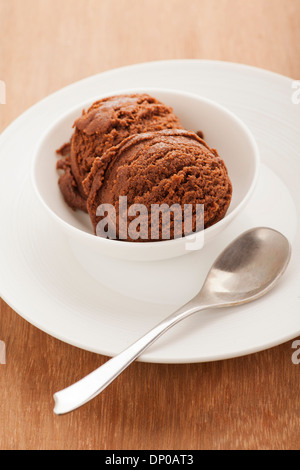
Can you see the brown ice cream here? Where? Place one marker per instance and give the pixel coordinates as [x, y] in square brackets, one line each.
[164, 167]
[107, 123]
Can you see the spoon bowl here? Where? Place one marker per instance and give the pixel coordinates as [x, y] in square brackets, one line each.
[247, 269]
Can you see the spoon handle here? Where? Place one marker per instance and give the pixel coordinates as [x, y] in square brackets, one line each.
[90, 386]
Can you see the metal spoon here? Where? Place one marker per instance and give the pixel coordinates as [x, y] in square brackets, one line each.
[248, 268]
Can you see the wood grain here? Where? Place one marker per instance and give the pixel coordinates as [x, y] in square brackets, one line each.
[245, 403]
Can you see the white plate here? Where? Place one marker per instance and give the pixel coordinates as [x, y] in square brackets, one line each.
[41, 280]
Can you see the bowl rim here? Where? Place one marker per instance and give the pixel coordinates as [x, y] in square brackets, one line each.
[160, 243]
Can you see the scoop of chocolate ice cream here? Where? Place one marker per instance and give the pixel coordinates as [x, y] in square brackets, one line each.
[165, 167]
[106, 123]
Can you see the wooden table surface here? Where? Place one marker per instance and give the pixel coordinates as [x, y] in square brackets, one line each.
[245, 403]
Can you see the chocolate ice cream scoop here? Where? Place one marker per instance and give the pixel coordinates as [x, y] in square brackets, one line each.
[165, 167]
[106, 123]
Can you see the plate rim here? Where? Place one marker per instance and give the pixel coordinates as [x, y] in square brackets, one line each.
[144, 64]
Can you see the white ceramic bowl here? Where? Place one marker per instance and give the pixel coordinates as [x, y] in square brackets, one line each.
[142, 264]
